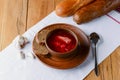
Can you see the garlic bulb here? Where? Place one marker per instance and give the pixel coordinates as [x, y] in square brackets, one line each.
[22, 41]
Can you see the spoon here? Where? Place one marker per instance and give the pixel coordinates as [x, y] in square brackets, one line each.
[94, 37]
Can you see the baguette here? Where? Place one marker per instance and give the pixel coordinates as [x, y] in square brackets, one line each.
[95, 10]
[69, 7]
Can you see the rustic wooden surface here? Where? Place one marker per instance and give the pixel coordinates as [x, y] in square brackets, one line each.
[26, 13]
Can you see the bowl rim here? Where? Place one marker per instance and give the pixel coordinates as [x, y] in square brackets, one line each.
[62, 53]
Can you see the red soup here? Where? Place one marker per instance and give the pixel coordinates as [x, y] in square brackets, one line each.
[61, 41]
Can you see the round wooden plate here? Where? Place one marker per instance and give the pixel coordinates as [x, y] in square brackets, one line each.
[61, 63]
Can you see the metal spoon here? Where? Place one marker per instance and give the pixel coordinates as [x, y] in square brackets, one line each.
[94, 37]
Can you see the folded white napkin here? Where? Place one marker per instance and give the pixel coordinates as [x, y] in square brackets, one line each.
[12, 67]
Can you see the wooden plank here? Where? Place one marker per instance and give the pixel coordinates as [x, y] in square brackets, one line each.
[1, 17]
[115, 61]
[14, 14]
[106, 66]
[37, 10]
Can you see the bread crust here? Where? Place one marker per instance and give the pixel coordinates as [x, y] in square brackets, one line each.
[95, 10]
[69, 7]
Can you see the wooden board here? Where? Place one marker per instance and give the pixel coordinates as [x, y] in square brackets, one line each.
[26, 13]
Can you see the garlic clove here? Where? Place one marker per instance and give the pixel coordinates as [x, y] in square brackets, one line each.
[22, 41]
[22, 54]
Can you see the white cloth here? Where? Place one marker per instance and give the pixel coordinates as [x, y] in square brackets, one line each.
[12, 67]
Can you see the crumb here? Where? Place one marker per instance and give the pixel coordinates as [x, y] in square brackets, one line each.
[32, 55]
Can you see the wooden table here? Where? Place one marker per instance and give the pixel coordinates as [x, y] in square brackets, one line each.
[26, 13]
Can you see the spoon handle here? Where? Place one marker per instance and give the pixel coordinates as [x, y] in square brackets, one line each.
[96, 64]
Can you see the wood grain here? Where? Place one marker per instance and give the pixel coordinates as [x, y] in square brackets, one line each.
[1, 14]
[115, 62]
[38, 9]
[13, 15]
[26, 13]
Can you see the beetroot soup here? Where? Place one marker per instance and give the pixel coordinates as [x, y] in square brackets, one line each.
[61, 40]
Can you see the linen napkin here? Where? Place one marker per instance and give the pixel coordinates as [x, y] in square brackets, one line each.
[12, 67]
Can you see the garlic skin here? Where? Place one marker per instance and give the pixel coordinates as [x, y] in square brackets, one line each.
[22, 54]
[31, 55]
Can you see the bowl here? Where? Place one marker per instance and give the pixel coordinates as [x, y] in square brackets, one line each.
[61, 42]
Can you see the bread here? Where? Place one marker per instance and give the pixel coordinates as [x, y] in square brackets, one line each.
[118, 9]
[95, 10]
[69, 7]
